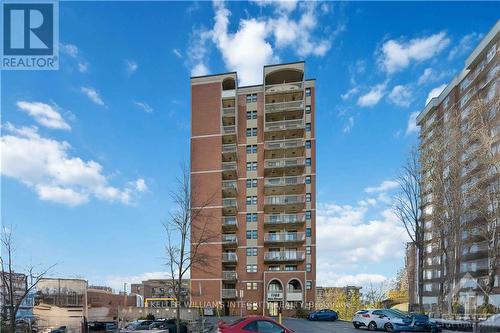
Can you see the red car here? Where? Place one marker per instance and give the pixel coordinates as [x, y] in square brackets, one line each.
[251, 324]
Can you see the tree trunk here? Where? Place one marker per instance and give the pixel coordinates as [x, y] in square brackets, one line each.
[420, 277]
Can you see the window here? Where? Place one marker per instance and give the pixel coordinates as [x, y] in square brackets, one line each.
[251, 149]
[251, 268]
[308, 197]
[308, 267]
[308, 215]
[251, 183]
[308, 92]
[251, 285]
[274, 268]
[251, 251]
[251, 166]
[308, 161]
[251, 217]
[252, 200]
[308, 127]
[251, 132]
[251, 98]
[308, 179]
[251, 115]
[290, 268]
[309, 284]
[308, 109]
[308, 144]
[308, 232]
[308, 250]
[251, 234]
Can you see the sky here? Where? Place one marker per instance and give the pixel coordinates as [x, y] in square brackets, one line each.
[90, 152]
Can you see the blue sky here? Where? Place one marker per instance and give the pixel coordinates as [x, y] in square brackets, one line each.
[89, 152]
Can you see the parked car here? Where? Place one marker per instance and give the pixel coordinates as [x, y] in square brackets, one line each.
[419, 322]
[169, 324]
[61, 329]
[394, 321]
[490, 325]
[137, 325]
[252, 324]
[324, 314]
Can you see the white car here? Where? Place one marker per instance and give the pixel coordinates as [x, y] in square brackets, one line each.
[378, 320]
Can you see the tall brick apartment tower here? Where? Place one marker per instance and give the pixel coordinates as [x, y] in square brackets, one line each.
[253, 151]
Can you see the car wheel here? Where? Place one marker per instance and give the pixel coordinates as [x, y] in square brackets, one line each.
[356, 326]
[372, 326]
[388, 327]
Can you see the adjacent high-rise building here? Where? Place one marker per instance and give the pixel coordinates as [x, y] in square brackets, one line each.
[253, 171]
[459, 166]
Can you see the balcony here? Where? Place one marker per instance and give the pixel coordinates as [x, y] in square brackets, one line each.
[229, 258]
[281, 88]
[229, 223]
[284, 256]
[289, 109]
[229, 206]
[228, 134]
[229, 240]
[229, 188]
[284, 203]
[284, 237]
[287, 148]
[229, 170]
[229, 152]
[284, 185]
[229, 276]
[228, 293]
[229, 112]
[284, 166]
[286, 129]
[284, 219]
[294, 296]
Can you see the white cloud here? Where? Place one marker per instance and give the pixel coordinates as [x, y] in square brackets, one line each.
[256, 41]
[371, 242]
[116, 281]
[144, 106]
[44, 164]
[426, 76]
[412, 123]
[351, 92]
[435, 93]
[287, 6]
[385, 186]
[93, 95]
[372, 97]
[401, 96]
[83, 67]
[466, 43]
[73, 51]
[349, 125]
[131, 66]
[44, 114]
[397, 55]
[177, 53]
[331, 278]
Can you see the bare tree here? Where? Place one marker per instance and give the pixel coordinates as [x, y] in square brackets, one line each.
[188, 231]
[407, 207]
[12, 293]
[484, 127]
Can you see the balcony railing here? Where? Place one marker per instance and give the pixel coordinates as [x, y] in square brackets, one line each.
[284, 199]
[284, 218]
[228, 112]
[284, 181]
[229, 148]
[285, 237]
[229, 203]
[229, 184]
[284, 125]
[229, 239]
[229, 275]
[228, 293]
[229, 129]
[284, 162]
[284, 256]
[229, 166]
[230, 222]
[284, 87]
[284, 144]
[229, 257]
[284, 106]
[294, 295]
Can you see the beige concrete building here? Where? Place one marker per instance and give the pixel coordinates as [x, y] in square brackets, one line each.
[253, 154]
[452, 108]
